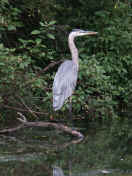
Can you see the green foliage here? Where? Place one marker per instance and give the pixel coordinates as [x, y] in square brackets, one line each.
[37, 46]
[21, 88]
[32, 37]
[105, 78]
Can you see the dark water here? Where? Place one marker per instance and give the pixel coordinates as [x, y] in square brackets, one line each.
[46, 152]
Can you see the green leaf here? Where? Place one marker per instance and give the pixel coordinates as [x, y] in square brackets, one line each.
[43, 54]
[11, 27]
[1, 46]
[51, 36]
[38, 41]
[42, 24]
[52, 22]
[35, 32]
[2, 64]
[5, 1]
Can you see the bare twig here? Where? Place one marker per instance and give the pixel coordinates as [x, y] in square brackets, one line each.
[43, 70]
[32, 112]
[22, 110]
[52, 64]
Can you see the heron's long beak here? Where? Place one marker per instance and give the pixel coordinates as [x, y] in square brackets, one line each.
[90, 33]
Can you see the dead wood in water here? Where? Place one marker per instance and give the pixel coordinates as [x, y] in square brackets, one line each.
[58, 126]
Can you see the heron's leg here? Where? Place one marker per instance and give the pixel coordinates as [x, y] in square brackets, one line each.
[70, 106]
[70, 110]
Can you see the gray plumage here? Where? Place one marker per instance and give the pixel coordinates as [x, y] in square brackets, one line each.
[64, 83]
[66, 76]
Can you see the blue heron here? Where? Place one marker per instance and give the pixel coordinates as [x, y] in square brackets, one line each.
[66, 76]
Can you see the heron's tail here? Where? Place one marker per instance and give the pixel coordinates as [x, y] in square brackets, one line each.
[58, 101]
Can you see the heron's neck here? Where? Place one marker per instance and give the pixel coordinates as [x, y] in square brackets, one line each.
[73, 50]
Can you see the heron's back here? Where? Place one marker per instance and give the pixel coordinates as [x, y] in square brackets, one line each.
[64, 83]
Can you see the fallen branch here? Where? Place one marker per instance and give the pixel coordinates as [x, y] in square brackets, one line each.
[25, 123]
[12, 129]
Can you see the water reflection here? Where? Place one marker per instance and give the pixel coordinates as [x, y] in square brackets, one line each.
[34, 151]
[57, 171]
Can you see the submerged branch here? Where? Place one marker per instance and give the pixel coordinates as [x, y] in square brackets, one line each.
[12, 129]
[59, 126]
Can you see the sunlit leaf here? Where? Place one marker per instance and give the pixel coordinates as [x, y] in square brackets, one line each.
[35, 32]
[38, 40]
[51, 36]
[11, 27]
[52, 22]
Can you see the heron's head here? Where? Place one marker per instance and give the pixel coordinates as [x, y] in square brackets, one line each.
[79, 32]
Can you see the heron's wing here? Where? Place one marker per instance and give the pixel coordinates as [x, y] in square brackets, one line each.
[64, 83]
